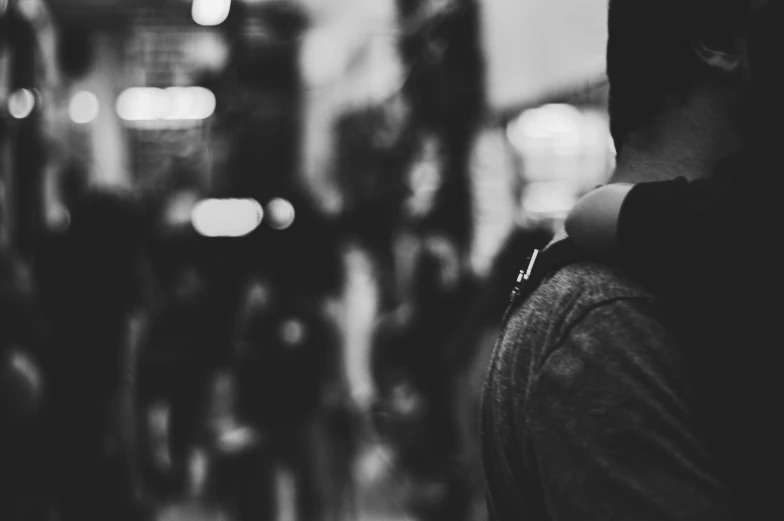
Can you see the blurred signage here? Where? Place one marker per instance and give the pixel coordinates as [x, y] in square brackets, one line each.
[173, 107]
[165, 156]
[162, 56]
[168, 49]
[164, 109]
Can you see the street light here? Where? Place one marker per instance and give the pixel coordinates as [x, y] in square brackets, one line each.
[210, 12]
[21, 103]
[84, 107]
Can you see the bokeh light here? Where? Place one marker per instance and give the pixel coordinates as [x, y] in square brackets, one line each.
[280, 214]
[58, 218]
[84, 107]
[203, 103]
[172, 104]
[293, 332]
[554, 124]
[21, 103]
[210, 12]
[226, 217]
[141, 104]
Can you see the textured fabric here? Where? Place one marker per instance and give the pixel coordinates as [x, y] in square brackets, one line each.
[589, 409]
[712, 249]
[680, 237]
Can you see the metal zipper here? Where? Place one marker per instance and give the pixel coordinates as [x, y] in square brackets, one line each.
[522, 278]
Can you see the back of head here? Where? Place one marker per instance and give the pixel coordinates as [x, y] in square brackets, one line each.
[651, 57]
[767, 81]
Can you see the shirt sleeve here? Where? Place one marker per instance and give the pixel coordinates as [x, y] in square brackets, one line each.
[610, 425]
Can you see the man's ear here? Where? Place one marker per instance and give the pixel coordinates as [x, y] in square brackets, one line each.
[718, 47]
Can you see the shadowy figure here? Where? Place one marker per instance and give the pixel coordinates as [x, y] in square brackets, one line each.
[91, 294]
[22, 390]
[290, 387]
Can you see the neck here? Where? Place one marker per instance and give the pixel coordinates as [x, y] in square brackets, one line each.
[685, 141]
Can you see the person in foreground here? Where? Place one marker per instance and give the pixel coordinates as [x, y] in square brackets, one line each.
[598, 402]
[668, 231]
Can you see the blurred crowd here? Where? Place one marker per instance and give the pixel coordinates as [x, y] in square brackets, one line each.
[144, 362]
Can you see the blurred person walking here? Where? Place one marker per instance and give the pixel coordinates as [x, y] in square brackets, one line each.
[290, 384]
[175, 370]
[91, 292]
[22, 393]
[428, 339]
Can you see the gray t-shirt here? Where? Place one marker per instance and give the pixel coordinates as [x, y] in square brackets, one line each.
[589, 410]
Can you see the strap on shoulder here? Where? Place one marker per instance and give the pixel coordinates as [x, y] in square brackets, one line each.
[542, 265]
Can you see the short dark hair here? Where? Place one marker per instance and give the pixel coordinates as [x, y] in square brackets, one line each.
[650, 55]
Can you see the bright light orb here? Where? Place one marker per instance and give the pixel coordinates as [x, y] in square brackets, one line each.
[171, 104]
[179, 103]
[280, 214]
[293, 332]
[190, 103]
[553, 122]
[203, 103]
[142, 104]
[84, 107]
[226, 217]
[21, 103]
[210, 12]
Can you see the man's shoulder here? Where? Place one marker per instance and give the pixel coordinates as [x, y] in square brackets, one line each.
[590, 283]
[571, 294]
[587, 386]
[589, 312]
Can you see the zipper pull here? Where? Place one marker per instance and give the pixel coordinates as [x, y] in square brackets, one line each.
[523, 276]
